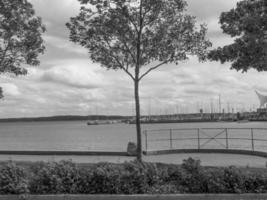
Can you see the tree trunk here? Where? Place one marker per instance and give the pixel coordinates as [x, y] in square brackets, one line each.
[138, 124]
[136, 90]
[1, 93]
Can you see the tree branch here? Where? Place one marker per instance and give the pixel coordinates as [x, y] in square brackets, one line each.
[127, 71]
[117, 60]
[131, 20]
[4, 53]
[152, 68]
[128, 49]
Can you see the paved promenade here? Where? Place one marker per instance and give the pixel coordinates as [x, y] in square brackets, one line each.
[207, 159]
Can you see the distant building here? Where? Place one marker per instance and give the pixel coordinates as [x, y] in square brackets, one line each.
[262, 110]
[263, 103]
[262, 98]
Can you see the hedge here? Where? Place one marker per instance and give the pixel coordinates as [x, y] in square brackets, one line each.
[66, 177]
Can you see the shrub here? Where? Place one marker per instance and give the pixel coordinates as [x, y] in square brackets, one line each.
[134, 178]
[13, 180]
[153, 174]
[255, 183]
[129, 178]
[234, 180]
[83, 184]
[214, 181]
[192, 177]
[104, 179]
[171, 173]
[54, 178]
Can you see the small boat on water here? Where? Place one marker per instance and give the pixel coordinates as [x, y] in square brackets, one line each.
[95, 122]
[243, 121]
[102, 122]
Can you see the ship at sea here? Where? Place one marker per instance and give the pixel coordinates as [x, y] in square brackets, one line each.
[101, 122]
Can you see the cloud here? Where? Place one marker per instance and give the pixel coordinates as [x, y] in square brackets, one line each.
[74, 76]
[64, 45]
[200, 92]
[207, 9]
[55, 14]
[230, 81]
[261, 89]
[10, 89]
[188, 82]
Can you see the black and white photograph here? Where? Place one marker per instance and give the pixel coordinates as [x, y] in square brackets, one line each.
[133, 99]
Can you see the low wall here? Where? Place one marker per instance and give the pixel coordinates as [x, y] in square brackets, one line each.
[224, 151]
[140, 197]
[65, 153]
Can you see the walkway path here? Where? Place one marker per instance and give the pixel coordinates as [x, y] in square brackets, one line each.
[209, 159]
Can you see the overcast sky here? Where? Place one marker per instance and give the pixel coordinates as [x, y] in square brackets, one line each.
[67, 82]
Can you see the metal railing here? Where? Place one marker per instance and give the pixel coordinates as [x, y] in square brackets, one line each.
[206, 138]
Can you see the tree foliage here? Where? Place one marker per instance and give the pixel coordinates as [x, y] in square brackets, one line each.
[20, 36]
[112, 31]
[247, 23]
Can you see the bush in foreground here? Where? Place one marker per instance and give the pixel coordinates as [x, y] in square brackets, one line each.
[66, 177]
[13, 180]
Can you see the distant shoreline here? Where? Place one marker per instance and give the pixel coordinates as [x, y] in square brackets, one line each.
[175, 118]
[65, 118]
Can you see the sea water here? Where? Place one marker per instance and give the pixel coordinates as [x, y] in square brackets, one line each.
[78, 136]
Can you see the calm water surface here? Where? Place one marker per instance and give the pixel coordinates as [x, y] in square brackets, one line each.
[76, 135]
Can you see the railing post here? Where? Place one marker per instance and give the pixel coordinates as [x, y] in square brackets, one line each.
[170, 138]
[252, 139]
[226, 137]
[145, 132]
[198, 139]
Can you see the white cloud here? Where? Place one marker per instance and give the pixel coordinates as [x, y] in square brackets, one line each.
[64, 44]
[206, 9]
[73, 75]
[10, 89]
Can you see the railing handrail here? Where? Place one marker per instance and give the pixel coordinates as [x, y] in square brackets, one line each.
[188, 129]
[202, 134]
[202, 138]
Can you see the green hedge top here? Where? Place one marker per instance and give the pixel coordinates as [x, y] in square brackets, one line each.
[66, 177]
